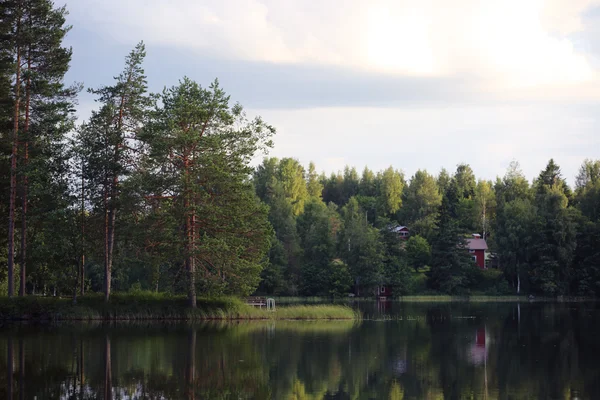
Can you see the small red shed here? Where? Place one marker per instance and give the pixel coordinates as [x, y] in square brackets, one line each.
[477, 248]
[401, 231]
[384, 291]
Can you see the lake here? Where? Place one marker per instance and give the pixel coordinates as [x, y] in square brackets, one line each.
[400, 351]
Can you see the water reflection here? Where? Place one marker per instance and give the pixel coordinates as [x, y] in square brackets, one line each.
[428, 351]
[477, 351]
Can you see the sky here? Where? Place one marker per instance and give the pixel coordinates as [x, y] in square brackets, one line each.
[413, 84]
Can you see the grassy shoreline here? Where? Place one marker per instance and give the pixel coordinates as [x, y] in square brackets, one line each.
[130, 307]
[438, 298]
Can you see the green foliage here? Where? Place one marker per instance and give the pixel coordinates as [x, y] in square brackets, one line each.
[361, 248]
[340, 279]
[313, 186]
[551, 271]
[422, 199]
[399, 277]
[392, 184]
[318, 228]
[451, 267]
[418, 252]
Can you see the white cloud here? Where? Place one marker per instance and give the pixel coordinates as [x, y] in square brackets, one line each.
[514, 42]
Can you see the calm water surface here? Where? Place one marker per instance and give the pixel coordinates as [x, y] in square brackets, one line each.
[427, 351]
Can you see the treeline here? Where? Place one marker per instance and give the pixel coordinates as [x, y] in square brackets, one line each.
[152, 192]
[336, 233]
[156, 192]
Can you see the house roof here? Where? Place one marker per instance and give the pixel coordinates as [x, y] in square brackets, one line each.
[399, 228]
[476, 244]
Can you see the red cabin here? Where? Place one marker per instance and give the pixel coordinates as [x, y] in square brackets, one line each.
[402, 232]
[477, 248]
[384, 291]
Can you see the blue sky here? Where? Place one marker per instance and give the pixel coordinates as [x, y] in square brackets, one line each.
[413, 84]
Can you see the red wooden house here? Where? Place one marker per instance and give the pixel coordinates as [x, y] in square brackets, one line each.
[402, 232]
[477, 248]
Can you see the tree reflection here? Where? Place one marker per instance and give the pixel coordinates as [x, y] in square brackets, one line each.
[107, 369]
[9, 369]
[442, 352]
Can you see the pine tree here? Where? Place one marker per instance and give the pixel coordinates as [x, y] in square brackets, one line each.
[199, 153]
[111, 140]
[450, 262]
[40, 101]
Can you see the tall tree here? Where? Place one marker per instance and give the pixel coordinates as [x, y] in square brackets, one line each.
[464, 179]
[13, 50]
[463, 185]
[361, 248]
[368, 183]
[421, 203]
[351, 183]
[514, 226]
[551, 271]
[40, 101]
[589, 173]
[451, 265]
[318, 229]
[333, 190]
[291, 177]
[391, 187]
[443, 180]
[112, 143]
[484, 206]
[264, 177]
[551, 178]
[515, 236]
[313, 186]
[286, 250]
[200, 150]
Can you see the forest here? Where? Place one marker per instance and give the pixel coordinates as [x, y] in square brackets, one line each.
[162, 192]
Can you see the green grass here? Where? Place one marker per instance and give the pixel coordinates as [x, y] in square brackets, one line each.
[153, 306]
[315, 312]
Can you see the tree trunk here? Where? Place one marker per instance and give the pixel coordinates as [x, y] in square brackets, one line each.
[483, 221]
[25, 187]
[13, 171]
[110, 207]
[107, 265]
[189, 262]
[82, 266]
[189, 238]
[111, 229]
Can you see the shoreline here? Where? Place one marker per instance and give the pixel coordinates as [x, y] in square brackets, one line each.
[156, 307]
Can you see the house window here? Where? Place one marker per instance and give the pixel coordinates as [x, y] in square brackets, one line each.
[475, 258]
[471, 251]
